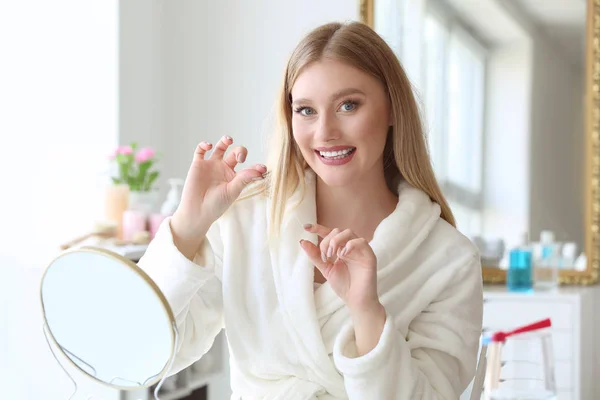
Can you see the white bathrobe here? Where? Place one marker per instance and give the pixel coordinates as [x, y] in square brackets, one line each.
[288, 341]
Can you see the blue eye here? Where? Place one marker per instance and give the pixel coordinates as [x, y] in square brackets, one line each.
[349, 106]
[306, 111]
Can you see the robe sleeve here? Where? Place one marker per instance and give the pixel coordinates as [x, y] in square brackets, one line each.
[192, 289]
[436, 359]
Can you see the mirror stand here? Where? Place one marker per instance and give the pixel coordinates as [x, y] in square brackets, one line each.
[48, 337]
[165, 375]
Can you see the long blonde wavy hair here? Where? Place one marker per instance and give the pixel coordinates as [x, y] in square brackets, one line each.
[405, 155]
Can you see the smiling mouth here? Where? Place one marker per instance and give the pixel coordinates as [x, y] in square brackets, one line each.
[336, 155]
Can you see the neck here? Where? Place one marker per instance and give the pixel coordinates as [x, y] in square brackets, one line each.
[360, 206]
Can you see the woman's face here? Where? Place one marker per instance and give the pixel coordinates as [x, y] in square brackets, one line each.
[340, 120]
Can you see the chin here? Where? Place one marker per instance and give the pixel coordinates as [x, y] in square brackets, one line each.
[335, 178]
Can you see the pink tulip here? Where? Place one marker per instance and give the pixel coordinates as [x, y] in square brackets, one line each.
[144, 154]
[125, 150]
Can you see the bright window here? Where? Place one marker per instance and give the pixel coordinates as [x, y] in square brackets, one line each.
[59, 99]
[454, 92]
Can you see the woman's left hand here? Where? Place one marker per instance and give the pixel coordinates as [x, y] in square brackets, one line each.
[349, 265]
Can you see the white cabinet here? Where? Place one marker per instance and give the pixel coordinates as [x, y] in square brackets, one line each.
[574, 327]
[210, 368]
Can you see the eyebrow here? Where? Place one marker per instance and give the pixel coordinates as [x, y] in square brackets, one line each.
[335, 96]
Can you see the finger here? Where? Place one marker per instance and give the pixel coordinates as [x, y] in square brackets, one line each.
[353, 246]
[337, 243]
[201, 150]
[326, 254]
[314, 254]
[320, 230]
[221, 147]
[236, 155]
[262, 169]
[243, 178]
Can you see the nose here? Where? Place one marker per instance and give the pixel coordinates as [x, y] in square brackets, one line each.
[328, 128]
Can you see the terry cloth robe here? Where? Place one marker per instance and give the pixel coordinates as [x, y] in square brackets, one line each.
[290, 341]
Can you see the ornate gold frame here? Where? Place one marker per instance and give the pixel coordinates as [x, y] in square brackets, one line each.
[367, 11]
[592, 140]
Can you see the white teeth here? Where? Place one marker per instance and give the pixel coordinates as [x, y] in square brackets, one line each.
[335, 153]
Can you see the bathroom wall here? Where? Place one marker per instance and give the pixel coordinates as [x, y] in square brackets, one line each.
[197, 70]
[557, 146]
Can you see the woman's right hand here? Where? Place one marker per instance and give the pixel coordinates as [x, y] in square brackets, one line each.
[211, 186]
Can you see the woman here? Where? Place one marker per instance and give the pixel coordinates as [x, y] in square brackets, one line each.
[337, 274]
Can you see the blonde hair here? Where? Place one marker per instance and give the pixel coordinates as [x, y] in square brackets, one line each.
[405, 155]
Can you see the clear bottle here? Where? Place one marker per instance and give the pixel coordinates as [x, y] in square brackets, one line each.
[569, 255]
[173, 197]
[546, 265]
[519, 277]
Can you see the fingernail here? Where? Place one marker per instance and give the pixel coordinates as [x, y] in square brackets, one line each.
[301, 242]
[329, 252]
[240, 158]
[228, 138]
[258, 178]
[307, 226]
[262, 166]
[323, 257]
[343, 252]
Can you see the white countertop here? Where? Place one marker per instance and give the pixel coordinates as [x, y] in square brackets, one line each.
[130, 251]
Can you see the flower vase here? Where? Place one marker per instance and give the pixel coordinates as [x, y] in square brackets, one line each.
[143, 201]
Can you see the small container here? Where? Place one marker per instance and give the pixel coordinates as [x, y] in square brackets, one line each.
[133, 222]
[519, 277]
[546, 262]
[154, 223]
[569, 255]
[116, 200]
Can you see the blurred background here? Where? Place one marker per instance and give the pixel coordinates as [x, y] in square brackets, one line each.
[500, 84]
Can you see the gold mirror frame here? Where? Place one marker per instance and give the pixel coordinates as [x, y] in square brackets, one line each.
[592, 154]
[55, 346]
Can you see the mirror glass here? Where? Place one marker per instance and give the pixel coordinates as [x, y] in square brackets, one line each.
[502, 87]
[107, 318]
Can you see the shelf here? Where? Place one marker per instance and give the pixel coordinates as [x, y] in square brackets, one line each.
[191, 385]
[174, 395]
[202, 380]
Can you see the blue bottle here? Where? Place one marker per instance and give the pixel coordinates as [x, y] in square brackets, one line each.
[519, 277]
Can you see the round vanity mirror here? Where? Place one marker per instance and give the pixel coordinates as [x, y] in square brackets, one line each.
[108, 318]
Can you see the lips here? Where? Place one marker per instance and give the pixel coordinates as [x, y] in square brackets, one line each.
[336, 155]
[333, 151]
